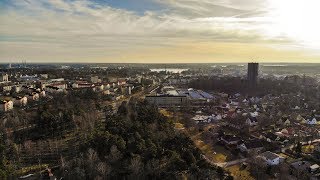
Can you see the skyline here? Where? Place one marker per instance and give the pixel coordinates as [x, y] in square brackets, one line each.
[159, 31]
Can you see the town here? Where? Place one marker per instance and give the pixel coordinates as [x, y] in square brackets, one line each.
[243, 119]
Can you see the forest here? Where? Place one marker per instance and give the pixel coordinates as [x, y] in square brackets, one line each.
[70, 136]
[137, 142]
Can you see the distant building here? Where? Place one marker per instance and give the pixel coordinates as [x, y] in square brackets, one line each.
[253, 69]
[20, 101]
[4, 77]
[44, 76]
[6, 105]
[126, 89]
[95, 79]
[33, 96]
[168, 100]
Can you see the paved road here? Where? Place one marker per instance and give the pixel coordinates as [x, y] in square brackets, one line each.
[230, 163]
[226, 164]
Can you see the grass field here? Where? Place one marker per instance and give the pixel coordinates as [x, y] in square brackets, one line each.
[239, 174]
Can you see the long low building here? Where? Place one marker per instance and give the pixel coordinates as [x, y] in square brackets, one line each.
[168, 100]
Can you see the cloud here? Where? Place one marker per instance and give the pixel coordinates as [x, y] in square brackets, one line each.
[42, 29]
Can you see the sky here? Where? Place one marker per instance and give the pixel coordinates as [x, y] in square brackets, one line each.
[159, 31]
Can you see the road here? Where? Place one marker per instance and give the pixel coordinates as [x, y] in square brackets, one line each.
[230, 163]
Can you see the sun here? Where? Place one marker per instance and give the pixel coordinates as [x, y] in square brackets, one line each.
[296, 19]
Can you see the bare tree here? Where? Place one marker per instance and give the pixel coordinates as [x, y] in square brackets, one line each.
[115, 154]
[135, 165]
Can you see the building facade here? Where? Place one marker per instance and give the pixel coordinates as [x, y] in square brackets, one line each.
[253, 71]
[168, 100]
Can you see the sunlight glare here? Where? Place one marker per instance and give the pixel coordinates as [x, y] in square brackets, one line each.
[296, 19]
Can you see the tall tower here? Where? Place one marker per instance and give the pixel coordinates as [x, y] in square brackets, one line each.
[253, 69]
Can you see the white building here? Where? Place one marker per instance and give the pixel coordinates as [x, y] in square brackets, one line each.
[44, 76]
[271, 158]
[312, 121]
[4, 78]
[6, 88]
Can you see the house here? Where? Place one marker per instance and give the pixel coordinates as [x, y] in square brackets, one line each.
[201, 119]
[121, 82]
[95, 79]
[250, 145]
[107, 86]
[252, 121]
[44, 76]
[126, 89]
[303, 168]
[17, 88]
[99, 87]
[6, 88]
[311, 121]
[299, 118]
[230, 139]
[271, 158]
[254, 114]
[4, 78]
[106, 92]
[33, 96]
[6, 105]
[216, 117]
[20, 101]
[314, 168]
[42, 93]
[60, 85]
[270, 137]
[284, 120]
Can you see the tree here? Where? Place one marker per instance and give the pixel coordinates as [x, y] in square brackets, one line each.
[298, 148]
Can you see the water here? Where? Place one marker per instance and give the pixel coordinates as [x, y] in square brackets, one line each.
[172, 70]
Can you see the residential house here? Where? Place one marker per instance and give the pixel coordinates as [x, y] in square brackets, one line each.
[121, 82]
[33, 96]
[4, 78]
[99, 87]
[252, 121]
[6, 105]
[271, 158]
[304, 170]
[230, 139]
[311, 121]
[42, 93]
[44, 76]
[60, 85]
[250, 146]
[20, 101]
[95, 79]
[107, 86]
[314, 168]
[270, 137]
[17, 88]
[6, 87]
